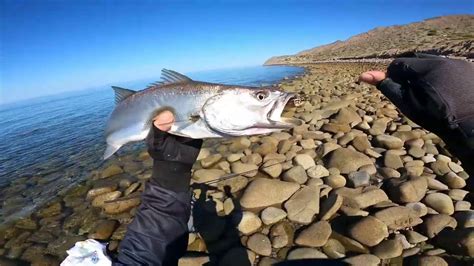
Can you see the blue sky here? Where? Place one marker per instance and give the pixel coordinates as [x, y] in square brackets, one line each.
[52, 46]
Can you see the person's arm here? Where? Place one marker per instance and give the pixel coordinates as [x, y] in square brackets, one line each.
[158, 234]
[438, 94]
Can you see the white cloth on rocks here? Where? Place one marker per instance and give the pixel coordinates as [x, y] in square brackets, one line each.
[88, 252]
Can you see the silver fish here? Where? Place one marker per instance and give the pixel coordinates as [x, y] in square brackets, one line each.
[201, 110]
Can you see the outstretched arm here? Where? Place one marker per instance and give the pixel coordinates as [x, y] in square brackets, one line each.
[158, 234]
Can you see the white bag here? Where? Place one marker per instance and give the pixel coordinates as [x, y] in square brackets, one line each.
[88, 252]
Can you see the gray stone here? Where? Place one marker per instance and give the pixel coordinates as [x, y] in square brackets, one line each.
[359, 179]
[260, 244]
[317, 171]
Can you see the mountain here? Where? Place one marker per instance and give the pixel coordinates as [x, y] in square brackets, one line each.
[446, 35]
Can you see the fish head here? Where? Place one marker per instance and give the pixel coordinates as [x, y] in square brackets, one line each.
[238, 111]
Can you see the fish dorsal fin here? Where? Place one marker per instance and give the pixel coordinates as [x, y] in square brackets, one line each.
[170, 76]
[121, 94]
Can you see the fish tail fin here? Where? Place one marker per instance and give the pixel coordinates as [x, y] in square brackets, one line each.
[110, 150]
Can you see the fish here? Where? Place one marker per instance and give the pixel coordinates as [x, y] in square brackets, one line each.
[201, 109]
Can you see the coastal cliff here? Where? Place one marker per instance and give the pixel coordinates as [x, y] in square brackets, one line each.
[446, 35]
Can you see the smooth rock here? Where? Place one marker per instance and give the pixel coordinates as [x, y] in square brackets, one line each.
[347, 160]
[414, 237]
[211, 160]
[335, 181]
[431, 261]
[111, 171]
[388, 249]
[433, 224]
[245, 169]
[296, 174]
[205, 175]
[363, 260]
[306, 253]
[412, 190]
[334, 249]
[120, 205]
[282, 234]
[276, 192]
[399, 217]
[317, 171]
[440, 202]
[369, 231]
[304, 160]
[303, 205]
[249, 223]
[103, 230]
[453, 180]
[316, 235]
[330, 206]
[272, 215]
[358, 179]
[272, 167]
[260, 244]
[388, 142]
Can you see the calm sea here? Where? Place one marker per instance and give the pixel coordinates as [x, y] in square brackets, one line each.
[59, 139]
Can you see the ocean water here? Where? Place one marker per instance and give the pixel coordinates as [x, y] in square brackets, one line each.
[50, 143]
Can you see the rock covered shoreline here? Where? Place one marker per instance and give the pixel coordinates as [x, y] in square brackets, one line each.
[358, 182]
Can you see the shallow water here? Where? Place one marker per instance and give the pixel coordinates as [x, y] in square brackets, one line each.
[49, 144]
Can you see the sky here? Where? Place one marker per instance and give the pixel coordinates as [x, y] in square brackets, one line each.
[48, 47]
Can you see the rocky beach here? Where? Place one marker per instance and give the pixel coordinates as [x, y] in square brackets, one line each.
[357, 182]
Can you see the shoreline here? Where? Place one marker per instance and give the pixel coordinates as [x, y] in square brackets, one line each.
[339, 115]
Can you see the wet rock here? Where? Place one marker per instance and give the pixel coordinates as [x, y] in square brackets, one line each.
[101, 190]
[59, 246]
[303, 205]
[440, 202]
[316, 235]
[330, 206]
[363, 259]
[282, 234]
[51, 210]
[120, 205]
[26, 223]
[399, 217]
[272, 215]
[276, 192]
[433, 224]
[369, 231]
[102, 198]
[245, 169]
[260, 244]
[306, 253]
[388, 249]
[103, 229]
[347, 160]
[317, 171]
[119, 233]
[304, 160]
[249, 223]
[296, 174]
[111, 171]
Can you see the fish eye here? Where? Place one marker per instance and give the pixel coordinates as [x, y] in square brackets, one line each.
[261, 95]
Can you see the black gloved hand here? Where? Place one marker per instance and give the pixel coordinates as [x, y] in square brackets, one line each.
[173, 158]
[438, 94]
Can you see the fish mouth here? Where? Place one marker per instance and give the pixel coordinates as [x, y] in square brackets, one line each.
[274, 116]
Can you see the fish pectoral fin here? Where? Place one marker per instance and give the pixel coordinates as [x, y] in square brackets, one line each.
[110, 150]
[196, 130]
[121, 94]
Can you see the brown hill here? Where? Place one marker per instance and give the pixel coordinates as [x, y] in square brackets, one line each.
[447, 35]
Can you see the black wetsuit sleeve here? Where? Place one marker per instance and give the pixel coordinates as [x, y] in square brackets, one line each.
[438, 94]
[158, 235]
